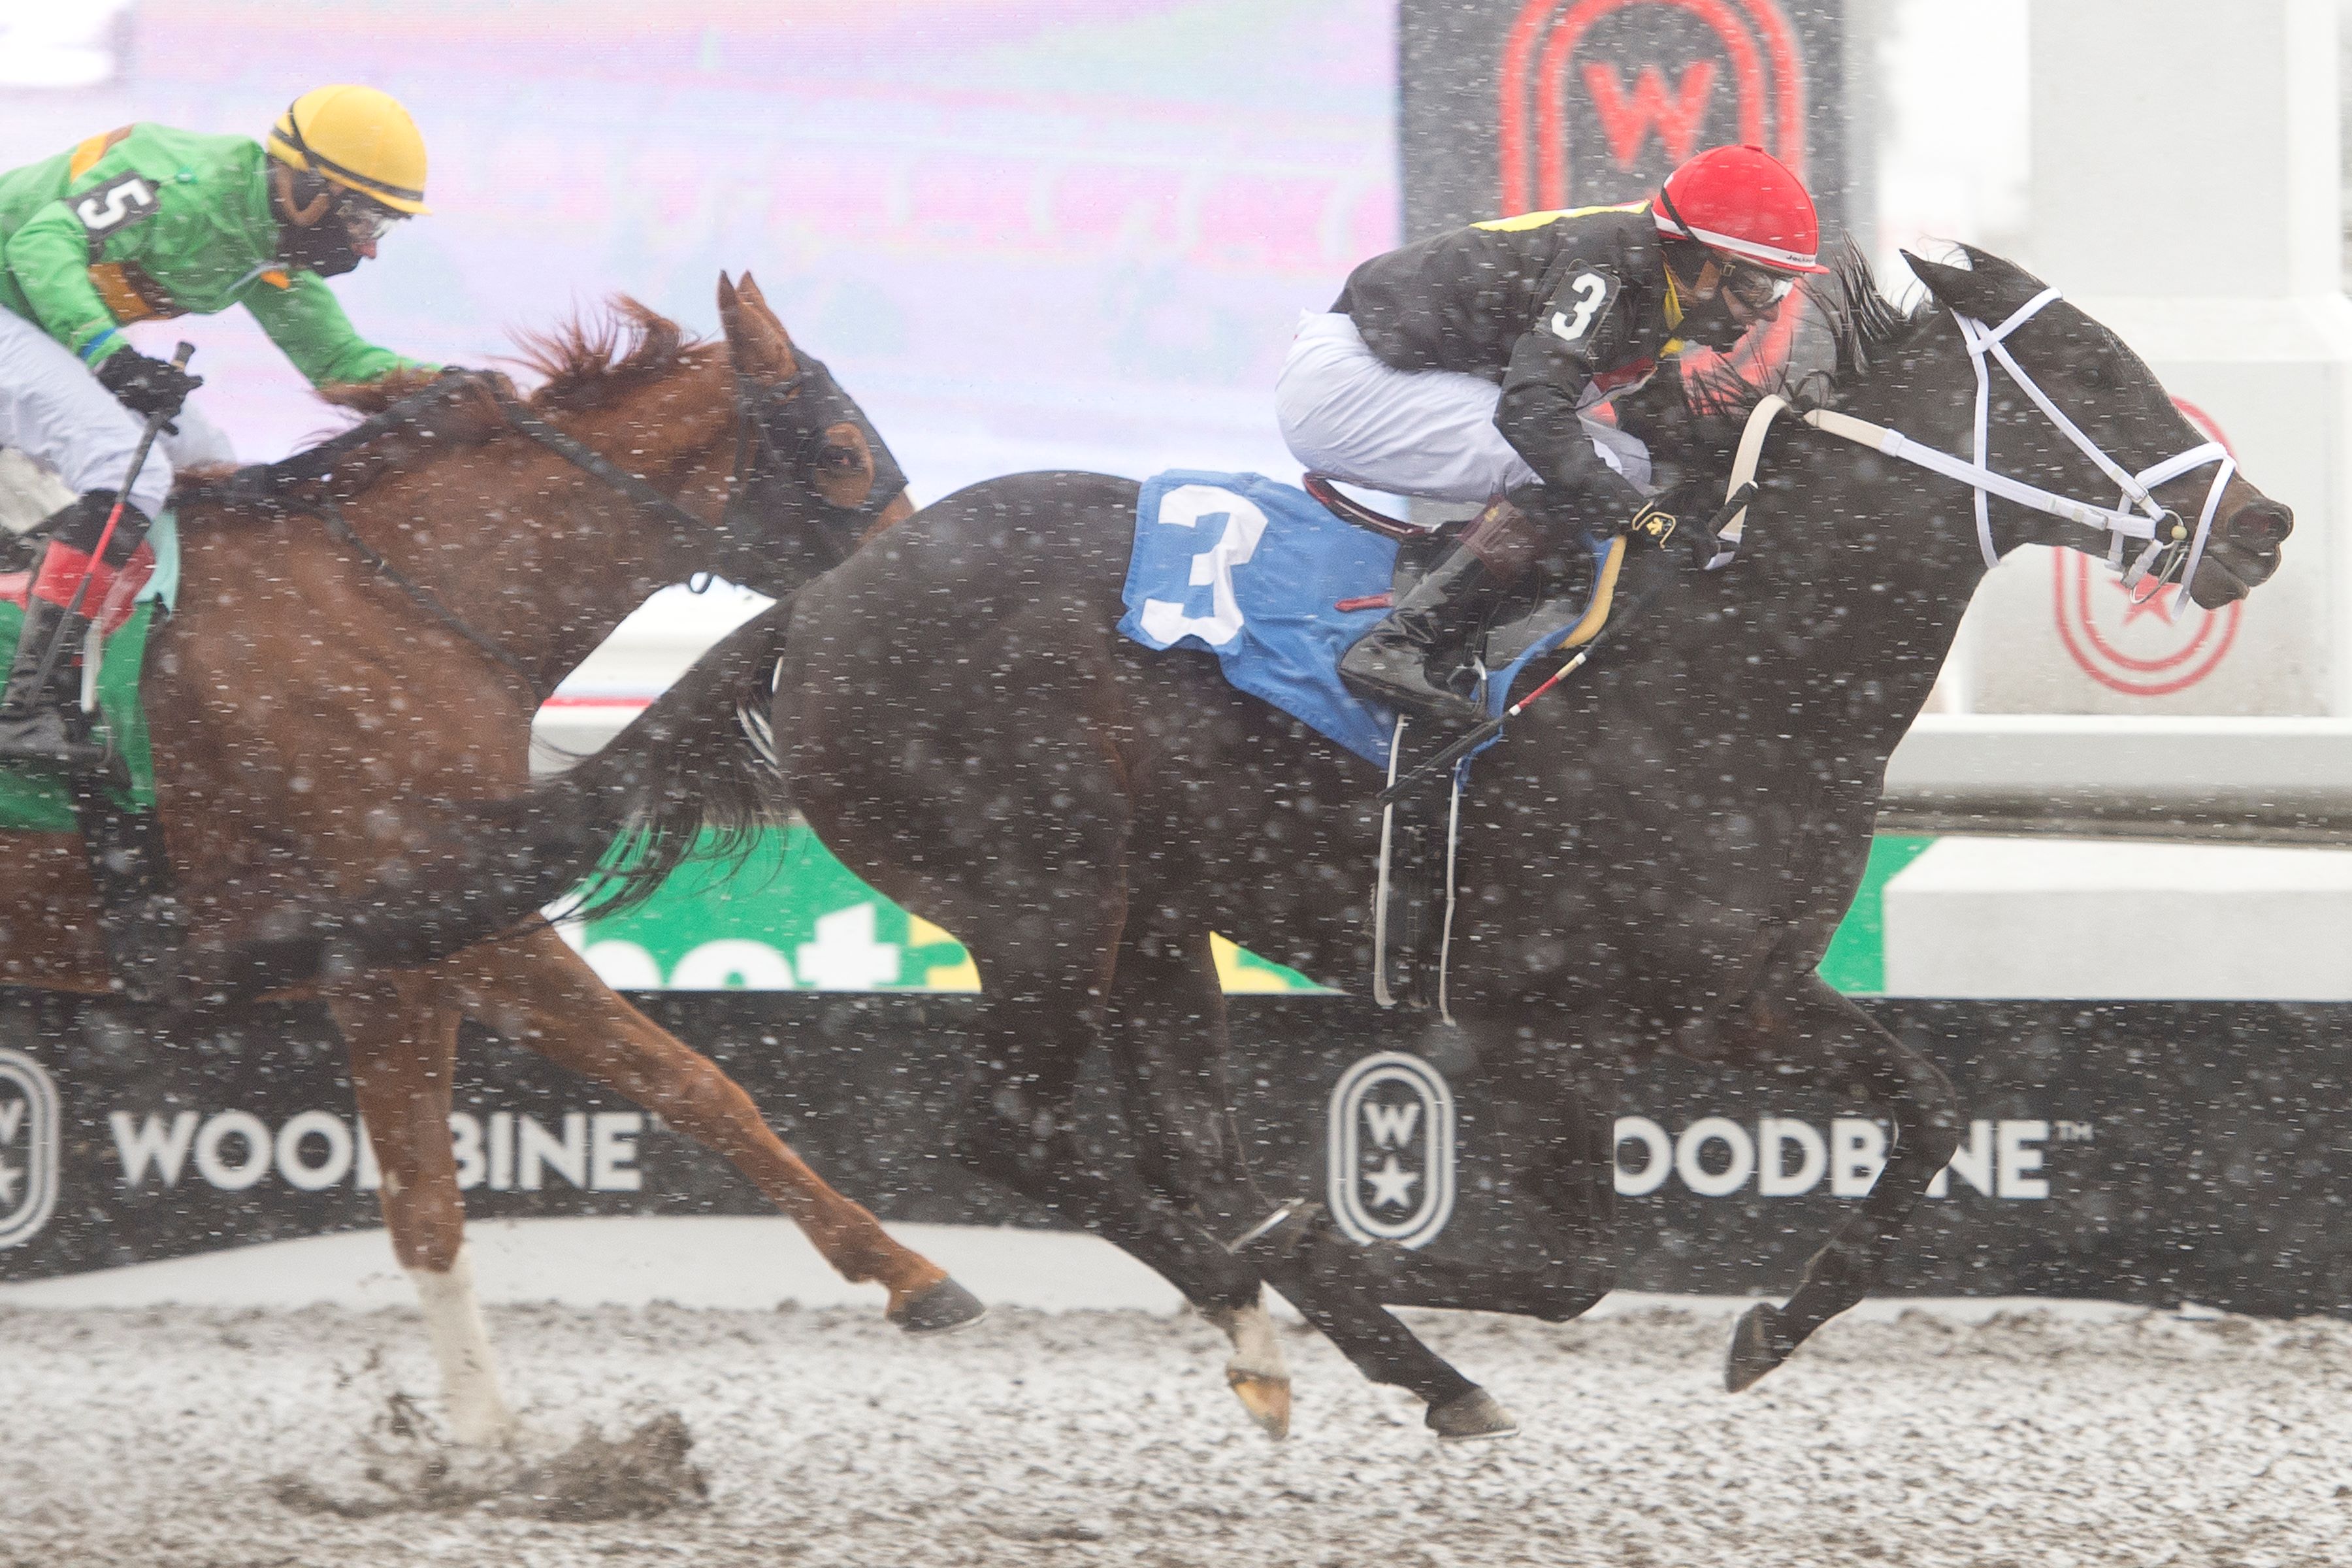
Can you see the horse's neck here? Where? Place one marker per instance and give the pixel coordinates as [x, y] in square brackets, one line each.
[1857, 569]
[542, 561]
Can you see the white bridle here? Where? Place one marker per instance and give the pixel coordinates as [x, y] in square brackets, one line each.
[2119, 520]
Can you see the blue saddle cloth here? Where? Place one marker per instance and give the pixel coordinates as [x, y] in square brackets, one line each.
[1255, 571]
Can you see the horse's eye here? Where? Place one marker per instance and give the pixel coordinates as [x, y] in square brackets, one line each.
[2094, 377]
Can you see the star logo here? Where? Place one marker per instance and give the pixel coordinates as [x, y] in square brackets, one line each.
[1392, 1184]
[1389, 1150]
[2147, 600]
[30, 1146]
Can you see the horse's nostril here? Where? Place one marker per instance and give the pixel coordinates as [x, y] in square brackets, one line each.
[2265, 525]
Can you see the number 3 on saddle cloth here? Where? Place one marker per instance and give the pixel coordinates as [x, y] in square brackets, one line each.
[114, 813]
[1266, 578]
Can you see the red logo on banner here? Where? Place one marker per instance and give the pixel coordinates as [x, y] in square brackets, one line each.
[1756, 41]
[2132, 640]
[1678, 120]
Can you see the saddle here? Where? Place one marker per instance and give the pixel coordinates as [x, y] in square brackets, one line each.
[113, 808]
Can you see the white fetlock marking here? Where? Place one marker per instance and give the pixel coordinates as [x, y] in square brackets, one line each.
[1256, 1350]
[461, 1347]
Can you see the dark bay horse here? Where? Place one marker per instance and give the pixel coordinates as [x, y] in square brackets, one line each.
[310, 717]
[1654, 861]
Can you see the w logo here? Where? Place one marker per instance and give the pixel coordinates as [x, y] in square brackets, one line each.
[30, 1136]
[1389, 1150]
[1565, 97]
[1628, 122]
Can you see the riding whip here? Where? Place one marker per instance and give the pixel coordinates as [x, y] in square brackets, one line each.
[153, 428]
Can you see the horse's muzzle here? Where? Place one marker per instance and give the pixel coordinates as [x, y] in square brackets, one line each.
[2242, 554]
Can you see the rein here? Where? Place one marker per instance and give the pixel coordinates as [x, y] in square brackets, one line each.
[2119, 520]
[339, 528]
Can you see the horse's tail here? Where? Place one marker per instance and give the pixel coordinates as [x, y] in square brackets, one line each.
[693, 777]
[696, 776]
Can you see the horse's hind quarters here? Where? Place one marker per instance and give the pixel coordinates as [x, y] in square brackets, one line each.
[940, 1309]
[1471, 1417]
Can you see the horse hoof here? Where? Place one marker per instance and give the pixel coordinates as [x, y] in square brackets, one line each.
[1268, 1400]
[1756, 1347]
[1468, 1417]
[483, 1424]
[941, 1309]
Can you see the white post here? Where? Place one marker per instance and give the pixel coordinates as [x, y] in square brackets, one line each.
[2185, 191]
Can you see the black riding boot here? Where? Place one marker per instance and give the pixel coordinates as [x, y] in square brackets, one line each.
[34, 727]
[1411, 660]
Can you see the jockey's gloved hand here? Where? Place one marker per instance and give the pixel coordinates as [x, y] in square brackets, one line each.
[1666, 515]
[145, 385]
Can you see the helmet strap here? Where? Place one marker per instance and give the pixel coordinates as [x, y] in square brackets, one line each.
[1689, 236]
[301, 214]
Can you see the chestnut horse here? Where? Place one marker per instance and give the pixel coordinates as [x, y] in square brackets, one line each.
[310, 713]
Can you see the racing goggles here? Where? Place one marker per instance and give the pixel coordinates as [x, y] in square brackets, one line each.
[365, 221]
[1756, 289]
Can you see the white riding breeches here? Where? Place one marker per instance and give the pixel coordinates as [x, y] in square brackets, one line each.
[53, 410]
[1415, 433]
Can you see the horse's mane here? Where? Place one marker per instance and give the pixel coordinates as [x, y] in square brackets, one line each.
[584, 363]
[587, 362]
[1865, 329]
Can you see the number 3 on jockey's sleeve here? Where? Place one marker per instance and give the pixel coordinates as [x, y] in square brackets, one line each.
[1580, 315]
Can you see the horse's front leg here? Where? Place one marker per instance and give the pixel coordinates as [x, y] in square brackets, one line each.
[1810, 1035]
[535, 991]
[403, 1045]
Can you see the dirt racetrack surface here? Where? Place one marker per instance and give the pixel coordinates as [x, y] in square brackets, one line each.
[201, 1438]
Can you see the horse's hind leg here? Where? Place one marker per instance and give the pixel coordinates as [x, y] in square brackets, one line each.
[536, 991]
[1016, 1129]
[1562, 1135]
[1178, 1106]
[1166, 1031]
[1817, 1036]
[403, 1045]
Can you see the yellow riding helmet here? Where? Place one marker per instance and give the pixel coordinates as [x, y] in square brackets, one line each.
[357, 138]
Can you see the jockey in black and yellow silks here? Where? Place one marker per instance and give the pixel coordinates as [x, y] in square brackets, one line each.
[1470, 367]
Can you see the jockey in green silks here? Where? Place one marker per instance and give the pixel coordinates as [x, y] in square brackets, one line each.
[145, 223]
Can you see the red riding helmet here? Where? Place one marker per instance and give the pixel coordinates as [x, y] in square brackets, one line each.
[1742, 201]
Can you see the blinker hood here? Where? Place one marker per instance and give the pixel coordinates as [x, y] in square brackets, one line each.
[795, 416]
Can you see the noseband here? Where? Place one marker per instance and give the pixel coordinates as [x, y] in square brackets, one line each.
[2176, 550]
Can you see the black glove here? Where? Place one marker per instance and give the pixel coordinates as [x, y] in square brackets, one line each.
[1665, 516]
[145, 385]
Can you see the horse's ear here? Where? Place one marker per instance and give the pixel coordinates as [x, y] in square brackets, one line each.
[1955, 288]
[1987, 287]
[758, 343]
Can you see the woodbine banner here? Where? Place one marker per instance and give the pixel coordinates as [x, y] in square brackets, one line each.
[2151, 1153]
